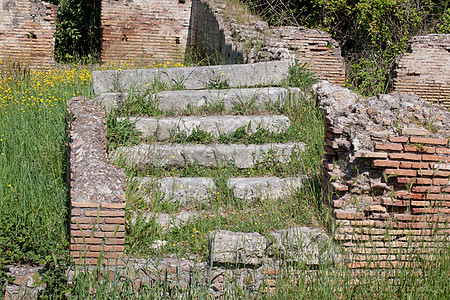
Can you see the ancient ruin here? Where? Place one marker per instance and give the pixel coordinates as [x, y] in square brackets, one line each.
[27, 33]
[425, 68]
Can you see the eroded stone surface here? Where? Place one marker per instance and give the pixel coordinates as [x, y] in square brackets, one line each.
[92, 179]
[182, 190]
[230, 98]
[251, 189]
[235, 248]
[165, 128]
[239, 155]
[193, 78]
[310, 246]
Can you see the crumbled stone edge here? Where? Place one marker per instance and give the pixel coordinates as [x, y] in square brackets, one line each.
[97, 189]
[386, 172]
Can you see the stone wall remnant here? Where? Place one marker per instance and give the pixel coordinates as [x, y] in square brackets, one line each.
[97, 189]
[425, 68]
[144, 32]
[386, 170]
[222, 34]
[27, 32]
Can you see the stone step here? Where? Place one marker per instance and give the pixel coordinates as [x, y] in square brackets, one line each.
[188, 191]
[240, 155]
[163, 129]
[192, 78]
[182, 190]
[250, 189]
[230, 98]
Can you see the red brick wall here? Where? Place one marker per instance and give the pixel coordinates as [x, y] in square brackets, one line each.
[425, 68]
[142, 32]
[27, 32]
[386, 176]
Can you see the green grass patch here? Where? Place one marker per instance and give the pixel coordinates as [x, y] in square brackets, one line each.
[33, 189]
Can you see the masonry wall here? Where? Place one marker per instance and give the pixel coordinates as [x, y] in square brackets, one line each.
[97, 189]
[386, 171]
[425, 68]
[27, 32]
[227, 34]
[143, 32]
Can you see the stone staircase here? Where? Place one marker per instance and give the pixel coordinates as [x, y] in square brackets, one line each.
[158, 164]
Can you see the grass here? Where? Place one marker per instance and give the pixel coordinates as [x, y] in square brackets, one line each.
[33, 192]
[34, 201]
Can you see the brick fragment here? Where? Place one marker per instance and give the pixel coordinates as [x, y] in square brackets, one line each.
[386, 163]
[435, 158]
[113, 205]
[401, 172]
[441, 197]
[85, 205]
[81, 241]
[420, 149]
[398, 139]
[420, 165]
[349, 215]
[440, 181]
[105, 213]
[75, 212]
[435, 173]
[112, 228]
[408, 195]
[85, 220]
[405, 156]
[426, 189]
[109, 234]
[115, 220]
[392, 147]
[107, 248]
[431, 141]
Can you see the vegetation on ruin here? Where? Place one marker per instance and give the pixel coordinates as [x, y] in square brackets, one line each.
[370, 33]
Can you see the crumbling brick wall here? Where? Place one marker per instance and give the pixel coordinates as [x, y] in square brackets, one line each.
[142, 32]
[425, 68]
[222, 34]
[386, 170]
[27, 32]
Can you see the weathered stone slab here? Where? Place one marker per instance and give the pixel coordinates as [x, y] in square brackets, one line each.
[227, 247]
[230, 98]
[193, 78]
[239, 155]
[174, 189]
[167, 221]
[164, 128]
[310, 246]
[251, 189]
